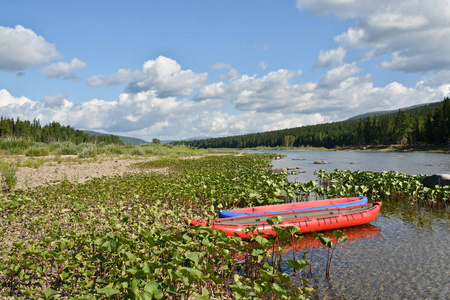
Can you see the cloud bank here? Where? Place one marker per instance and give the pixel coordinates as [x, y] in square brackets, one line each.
[160, 108]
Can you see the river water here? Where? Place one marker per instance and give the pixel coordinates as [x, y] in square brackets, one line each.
[409, 163]
[403, 254]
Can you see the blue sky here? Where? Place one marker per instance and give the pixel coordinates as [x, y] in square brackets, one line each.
[181, 69]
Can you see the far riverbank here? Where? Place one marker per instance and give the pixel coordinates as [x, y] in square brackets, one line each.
[369, 148]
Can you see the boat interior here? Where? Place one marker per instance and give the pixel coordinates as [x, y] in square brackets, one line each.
[292, 216]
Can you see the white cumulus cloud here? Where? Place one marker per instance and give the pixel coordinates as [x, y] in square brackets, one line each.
[331, 58]
[163, 75]
[335, 76]
[413, 33]
[6, 99]
[120, 77]
[64, 69]
[22, 48]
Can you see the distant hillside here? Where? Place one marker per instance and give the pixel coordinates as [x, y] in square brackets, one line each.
[197, 138]
[124, 139]
[415, 109]
[421, 124]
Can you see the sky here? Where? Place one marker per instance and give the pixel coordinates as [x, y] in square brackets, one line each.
[179, 69]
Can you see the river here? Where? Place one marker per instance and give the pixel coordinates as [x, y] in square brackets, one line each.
[403, 254]
[409, 163]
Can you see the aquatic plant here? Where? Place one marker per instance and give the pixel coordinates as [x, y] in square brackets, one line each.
[328, 242]
[124, 236]
[381, 186]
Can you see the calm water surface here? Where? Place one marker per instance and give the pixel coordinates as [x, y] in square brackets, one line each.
[403, 254]
[409, 163]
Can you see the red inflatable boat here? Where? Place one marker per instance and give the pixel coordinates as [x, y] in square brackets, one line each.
[307, 221]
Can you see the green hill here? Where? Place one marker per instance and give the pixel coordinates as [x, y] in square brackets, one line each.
[420, 109]
[124, 139]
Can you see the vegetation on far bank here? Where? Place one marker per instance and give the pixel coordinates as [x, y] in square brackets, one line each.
[29, 148]
[28, 132]
[426, 126]
[378, 148]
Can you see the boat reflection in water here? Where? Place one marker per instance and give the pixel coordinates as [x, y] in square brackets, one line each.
[354, 234]
[308, 241]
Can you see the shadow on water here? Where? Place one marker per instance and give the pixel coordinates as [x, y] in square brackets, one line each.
[402, 254]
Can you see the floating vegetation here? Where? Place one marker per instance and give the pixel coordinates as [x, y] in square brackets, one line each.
[381, 186]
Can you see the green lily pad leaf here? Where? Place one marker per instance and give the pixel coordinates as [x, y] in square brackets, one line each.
[279, 289]
[343, 238]
[275, 220]
[262, 241]
[192, 273]
[326, 241]
[337, 234]
[48, 293]
[297, 264]
[194, 256]
[108, 292]
[292, 229]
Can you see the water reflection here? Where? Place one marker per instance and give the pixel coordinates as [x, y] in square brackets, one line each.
[354, 234]
[407, 259]
[402, 254]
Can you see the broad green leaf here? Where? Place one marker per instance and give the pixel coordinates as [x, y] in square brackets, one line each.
[337, 234]
[262, 241]
[275, 220]
[297, 264]
[326, 241]
[48, 293]
[108, 292]
[292, 229]
[343, 238]
[194, 256]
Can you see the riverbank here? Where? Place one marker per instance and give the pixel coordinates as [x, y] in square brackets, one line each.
[400, 148]
[369, 148]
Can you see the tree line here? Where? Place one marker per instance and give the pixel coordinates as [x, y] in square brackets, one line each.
[52, 132]
[429, 124]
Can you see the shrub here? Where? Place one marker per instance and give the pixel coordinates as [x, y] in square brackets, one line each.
[137, 151]
[68, 148]
[155, 151]
[38, 150]
[112, 149]
[13, 144]
[9, 178]
[85, 150]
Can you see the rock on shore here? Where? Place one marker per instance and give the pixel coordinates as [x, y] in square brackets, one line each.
[436, 179]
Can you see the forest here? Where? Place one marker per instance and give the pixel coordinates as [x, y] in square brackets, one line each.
[52, 132]
[428, 124]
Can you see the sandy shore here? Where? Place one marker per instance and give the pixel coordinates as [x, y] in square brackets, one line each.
[78, 172]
